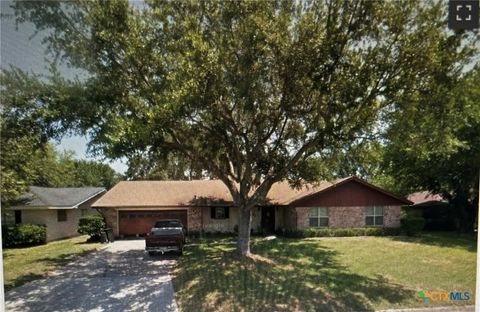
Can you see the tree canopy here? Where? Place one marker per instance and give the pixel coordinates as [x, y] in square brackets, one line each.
[28, 124]
[247, 91]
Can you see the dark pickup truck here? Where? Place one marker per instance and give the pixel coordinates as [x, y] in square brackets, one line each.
[166, 235]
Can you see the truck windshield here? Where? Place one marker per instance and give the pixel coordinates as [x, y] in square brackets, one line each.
[169, 223]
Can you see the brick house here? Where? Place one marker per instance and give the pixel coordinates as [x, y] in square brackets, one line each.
[131, 207]
[59, 209]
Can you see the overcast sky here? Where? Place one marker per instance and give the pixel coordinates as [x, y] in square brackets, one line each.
[20, 50]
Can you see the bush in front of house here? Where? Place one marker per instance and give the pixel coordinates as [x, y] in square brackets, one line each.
[92, 225]
[412, 225]
[24, 235]
[340, 232]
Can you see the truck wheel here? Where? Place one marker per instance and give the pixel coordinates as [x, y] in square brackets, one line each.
[151, 253]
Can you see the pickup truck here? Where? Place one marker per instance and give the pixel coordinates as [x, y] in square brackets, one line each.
[166, 235]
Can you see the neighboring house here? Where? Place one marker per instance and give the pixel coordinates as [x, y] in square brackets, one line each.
[436, 211]
[131, 207]
[58, 208]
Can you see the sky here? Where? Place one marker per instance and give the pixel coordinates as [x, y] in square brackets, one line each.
[19, 49]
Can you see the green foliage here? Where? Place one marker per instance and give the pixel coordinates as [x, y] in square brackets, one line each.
[152, 166]
[92, 225]
[340, 232]
[29, 120]
[23, 235]
[412, 225]
[434, 144]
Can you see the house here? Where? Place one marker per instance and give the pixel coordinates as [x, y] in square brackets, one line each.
[58, 208]
[437, 212]
[131, 207]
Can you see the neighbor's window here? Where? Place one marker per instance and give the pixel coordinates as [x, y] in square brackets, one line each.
[374, 216]
[61, 215]
[219, 212]
[318, 217]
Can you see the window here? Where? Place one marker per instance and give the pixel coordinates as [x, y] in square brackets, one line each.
[318, 217]
[18, 216]
[219, 212]
[61, 215]
[374, 216]
[83, 212]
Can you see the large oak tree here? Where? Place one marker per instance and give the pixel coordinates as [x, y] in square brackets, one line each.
[246, 90]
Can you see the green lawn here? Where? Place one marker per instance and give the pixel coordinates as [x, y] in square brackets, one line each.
[21, 265]
[325, 274]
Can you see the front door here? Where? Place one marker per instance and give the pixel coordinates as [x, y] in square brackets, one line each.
[268, 219]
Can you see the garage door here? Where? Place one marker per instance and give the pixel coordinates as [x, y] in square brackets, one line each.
[141, 222]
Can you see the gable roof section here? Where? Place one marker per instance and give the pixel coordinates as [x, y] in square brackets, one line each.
[344, 181]
[206, 193]
[57, 197]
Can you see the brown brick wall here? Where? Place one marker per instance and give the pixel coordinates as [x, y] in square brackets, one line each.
[194, 216]
[340, 217]
[111, 218]
[302, 217]
[391, 216]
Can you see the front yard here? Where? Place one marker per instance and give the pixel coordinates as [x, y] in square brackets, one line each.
[325, 274]
[21, 265]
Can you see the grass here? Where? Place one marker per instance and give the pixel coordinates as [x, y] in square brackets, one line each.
[22, 265]
[325, 274]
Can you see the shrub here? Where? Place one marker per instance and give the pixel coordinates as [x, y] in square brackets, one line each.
[295, 233]
[24, 235]
[343, 232]
[412, 225]
[392, 231]
[339, 232]
[323, 233]
[374, 231]
[92, 225]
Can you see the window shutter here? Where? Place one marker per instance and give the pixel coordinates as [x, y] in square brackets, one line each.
[212, 212]
[227, 212]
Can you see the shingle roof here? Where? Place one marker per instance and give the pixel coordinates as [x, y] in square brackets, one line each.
[197, 192]
[57, 197]
[424, 197]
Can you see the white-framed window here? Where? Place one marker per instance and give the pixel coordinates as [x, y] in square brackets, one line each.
[318, 217]
[374, 216]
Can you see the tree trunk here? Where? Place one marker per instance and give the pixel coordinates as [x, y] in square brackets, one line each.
[244, 225]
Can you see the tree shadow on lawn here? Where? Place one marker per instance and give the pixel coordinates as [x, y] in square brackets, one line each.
[441, 239]
[297, 275]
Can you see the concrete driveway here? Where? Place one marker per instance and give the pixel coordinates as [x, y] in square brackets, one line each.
[121, 277]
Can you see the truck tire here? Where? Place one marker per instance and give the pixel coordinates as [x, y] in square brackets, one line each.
[151, 253]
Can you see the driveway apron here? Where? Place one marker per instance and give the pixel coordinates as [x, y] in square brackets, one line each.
[121, 277]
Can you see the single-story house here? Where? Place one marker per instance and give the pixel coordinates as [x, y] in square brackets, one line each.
[131, 207]
[58, 208]
[436, 210]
